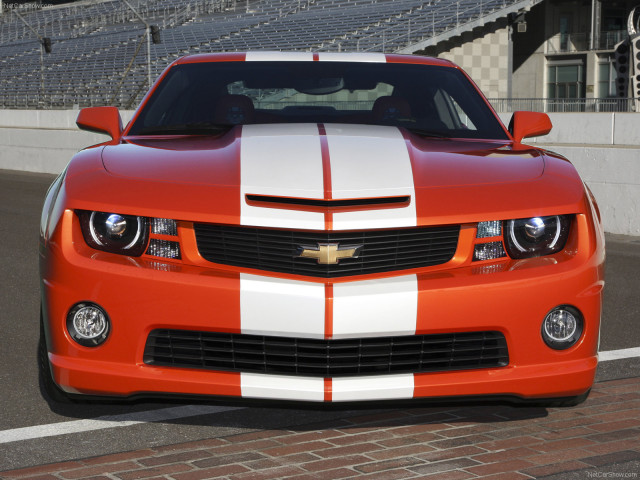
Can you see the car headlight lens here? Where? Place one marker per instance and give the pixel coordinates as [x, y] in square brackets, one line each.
[536, 236]
[115, 233]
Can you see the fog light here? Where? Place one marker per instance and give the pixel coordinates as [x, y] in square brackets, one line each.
[562, 327]
[88, 324]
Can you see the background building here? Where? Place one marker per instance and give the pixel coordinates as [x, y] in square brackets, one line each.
[559, 52]
[549, 55]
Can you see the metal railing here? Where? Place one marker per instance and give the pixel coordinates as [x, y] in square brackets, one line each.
[581, 42]
[568, 42]
[66, 101]
[73, 20]
[608, 40]
[426, 26]
[550, 105]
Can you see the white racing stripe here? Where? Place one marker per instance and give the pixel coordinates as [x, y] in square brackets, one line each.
[353, 57]
[266, 56]
[281, 387]
[370, 161]
[381, 387]
[109, 421]
[281, 160]
[281, 307]
[365, 161]
[374, 308]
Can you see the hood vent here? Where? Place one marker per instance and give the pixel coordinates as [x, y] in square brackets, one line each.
[315, 203]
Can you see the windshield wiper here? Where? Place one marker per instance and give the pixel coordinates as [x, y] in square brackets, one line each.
[428, 133]
[195, 128]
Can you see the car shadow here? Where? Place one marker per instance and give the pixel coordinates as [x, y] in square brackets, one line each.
[268, 414]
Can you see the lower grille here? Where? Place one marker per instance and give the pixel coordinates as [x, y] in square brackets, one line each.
[326, 358]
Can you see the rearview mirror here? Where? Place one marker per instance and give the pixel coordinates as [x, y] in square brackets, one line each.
[529, 124]
[101, 120]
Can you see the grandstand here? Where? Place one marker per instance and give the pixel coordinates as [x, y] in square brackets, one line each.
[98, 55]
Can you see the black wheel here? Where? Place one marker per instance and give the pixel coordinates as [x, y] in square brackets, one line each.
[50, 391]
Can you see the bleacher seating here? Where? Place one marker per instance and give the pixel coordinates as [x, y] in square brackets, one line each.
[95, 43]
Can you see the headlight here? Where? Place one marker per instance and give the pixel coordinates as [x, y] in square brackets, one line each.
[536, 236]
[115, 233]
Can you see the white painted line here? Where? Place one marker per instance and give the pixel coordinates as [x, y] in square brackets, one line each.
[109, 421]
[619, 354]
[173, 413]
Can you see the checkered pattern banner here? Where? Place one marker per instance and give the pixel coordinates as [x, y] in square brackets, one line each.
[485, 59]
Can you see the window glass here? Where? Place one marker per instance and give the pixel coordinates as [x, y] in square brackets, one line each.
[433, 100]
[275, 99]
[565, 81]
[463, 117]
[568, 73]
[606, 80]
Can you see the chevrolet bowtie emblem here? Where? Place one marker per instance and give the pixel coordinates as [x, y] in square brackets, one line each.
[329, 253]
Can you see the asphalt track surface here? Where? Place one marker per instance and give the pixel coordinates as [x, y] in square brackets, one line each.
[153, 424]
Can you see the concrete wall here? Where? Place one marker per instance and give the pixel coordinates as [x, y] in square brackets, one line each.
[604, 147]
[608, 129]
[43, 140]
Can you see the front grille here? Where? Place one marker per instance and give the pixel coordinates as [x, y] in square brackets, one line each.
[278, 250]
[326, 358]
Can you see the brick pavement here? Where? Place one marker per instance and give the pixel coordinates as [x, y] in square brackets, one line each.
[592, 440]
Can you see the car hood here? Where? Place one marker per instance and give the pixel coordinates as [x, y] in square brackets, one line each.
[213, 178]
[361, 159]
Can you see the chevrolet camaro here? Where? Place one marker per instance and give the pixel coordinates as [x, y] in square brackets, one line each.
[319, 228]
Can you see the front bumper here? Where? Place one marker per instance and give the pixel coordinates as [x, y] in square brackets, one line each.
[141, 295]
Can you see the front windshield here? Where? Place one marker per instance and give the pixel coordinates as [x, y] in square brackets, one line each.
[205, 98]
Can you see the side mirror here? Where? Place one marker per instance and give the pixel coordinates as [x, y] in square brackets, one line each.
[529, 124]
[101, 120]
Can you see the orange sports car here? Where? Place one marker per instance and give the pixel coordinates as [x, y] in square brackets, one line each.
[324, 228]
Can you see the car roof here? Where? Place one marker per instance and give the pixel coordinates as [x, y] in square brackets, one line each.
[276, 56]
